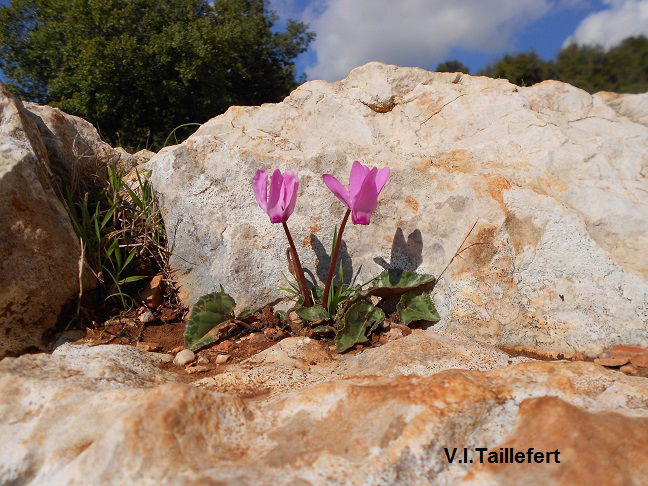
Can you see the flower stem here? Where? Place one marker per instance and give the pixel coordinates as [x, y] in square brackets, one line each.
[334, 257]
[308, 301]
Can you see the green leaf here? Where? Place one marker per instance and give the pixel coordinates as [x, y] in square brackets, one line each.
[392, 283]
[314, 313]
[396, 282]
[210, 310]
[359, 321]
[322, 329]
[245, 314]
[416, 305]
[134, 278]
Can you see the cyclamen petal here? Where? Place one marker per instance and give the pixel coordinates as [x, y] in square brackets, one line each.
[358, 174]
[381, 178]
[279, 204]
[337, 189]
[364, 187]
[366, 201]
[291, 181]
[260, 188]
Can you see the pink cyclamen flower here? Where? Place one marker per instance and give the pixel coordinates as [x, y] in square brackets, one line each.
[283, 193]
[364, 186]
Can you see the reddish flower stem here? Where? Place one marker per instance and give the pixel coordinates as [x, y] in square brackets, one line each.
[334, 257]
[308, 301]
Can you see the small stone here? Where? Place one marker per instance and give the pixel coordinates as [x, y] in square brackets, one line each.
[273, 333]
[611, 362]
[224, 347]
[628, 369]
[254, 337]
[196, 369]
[148, 347]
[295, 322]
[184, 357]
[222, 358]
[152, 293]
[640, 360]
[146, 317]
[392, 335]
[202, 360]
[404, 329]
[167, 314]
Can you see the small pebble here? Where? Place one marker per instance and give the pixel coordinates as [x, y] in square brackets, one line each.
[184, 357]
[146, 317]
[273, 333]
[611, 362]
[196, 369]
[149, 347]
[628, 369]
[222, 358]
[202, 360]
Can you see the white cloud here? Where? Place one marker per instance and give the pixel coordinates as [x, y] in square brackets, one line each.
[623, 18]
[413, 32]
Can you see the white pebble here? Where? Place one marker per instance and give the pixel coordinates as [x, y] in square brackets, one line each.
[184, 357]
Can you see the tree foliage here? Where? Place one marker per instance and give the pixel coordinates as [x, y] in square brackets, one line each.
[522, 69]
[623, 69]
[137, 68]
[453, 66]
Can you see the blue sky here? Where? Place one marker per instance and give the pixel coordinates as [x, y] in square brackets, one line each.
[426, 32]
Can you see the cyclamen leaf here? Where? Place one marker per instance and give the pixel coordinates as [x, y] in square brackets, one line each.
[359, 321]
[392, 283]
[314, 313]
[416, 306]
[395, 282]
[207, 313]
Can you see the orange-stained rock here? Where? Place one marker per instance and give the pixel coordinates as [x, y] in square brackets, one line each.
[640, 360]
[294, 414]
[595, 447]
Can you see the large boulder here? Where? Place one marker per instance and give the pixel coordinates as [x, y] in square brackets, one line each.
[76, 152]
[39, 251]
[109, 415]
[555, 178]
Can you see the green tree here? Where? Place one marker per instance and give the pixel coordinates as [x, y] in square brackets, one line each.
[626, 66]
[452, 66]
[581, 66]
[524, 69]
[137, 68]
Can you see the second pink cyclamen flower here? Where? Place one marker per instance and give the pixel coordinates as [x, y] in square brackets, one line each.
[362, 195]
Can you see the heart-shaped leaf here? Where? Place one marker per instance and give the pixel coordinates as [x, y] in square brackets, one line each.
[207, 313]
[416, 306]
[358, 322]
[314, 313]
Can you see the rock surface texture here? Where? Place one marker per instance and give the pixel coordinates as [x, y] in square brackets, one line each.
[294, 414]
[556, 179]
[39, 251]
[76, 151]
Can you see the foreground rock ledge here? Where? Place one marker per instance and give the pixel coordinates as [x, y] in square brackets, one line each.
[556, 178]
[108, 415]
